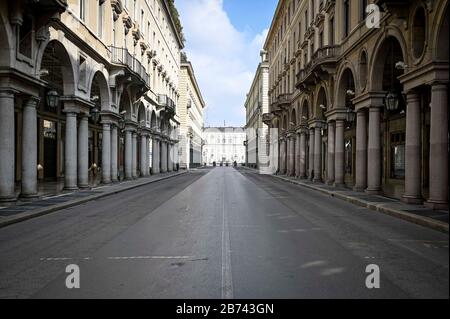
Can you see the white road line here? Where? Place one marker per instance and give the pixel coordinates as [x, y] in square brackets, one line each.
[116, 258]
[150, 257]
[227, 280]
[56, 196]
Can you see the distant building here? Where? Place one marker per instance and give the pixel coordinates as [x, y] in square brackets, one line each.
[257, 104]
[190, 110]
[224, 145]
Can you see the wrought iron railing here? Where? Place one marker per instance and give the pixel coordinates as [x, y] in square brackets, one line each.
[124, 57]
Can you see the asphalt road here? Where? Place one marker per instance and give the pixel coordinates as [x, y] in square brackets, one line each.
[221, 233]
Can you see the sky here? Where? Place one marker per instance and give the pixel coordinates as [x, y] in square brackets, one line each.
[223, 41]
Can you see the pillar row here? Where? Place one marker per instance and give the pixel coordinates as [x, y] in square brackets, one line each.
[7, 146]
[83, 152]
[361, 151]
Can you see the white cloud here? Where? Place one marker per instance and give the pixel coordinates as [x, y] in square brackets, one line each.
[224, 59]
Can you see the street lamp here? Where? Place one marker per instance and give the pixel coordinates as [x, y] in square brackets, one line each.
[52, 99]
[391, 101]
[350, 116]
[95, 114]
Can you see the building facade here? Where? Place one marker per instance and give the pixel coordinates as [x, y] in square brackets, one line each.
[224, 145]
[358, 92]
[88, 90]
[190, 111]
[257, 104]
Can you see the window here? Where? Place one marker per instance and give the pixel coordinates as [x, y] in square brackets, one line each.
[346, 17]
[398, 155]
[25, 36]
[100, 18]
[82, 71]
[362, 9]
[82, 8]
[331, 28]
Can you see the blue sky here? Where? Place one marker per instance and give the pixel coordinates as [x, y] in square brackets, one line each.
[223, 41]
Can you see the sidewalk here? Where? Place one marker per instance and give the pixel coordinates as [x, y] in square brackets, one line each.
[418, 214]
[24, 210]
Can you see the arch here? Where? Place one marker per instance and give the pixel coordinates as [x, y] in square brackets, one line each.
[386, 74]
[56, 60]
[153, 120]
[125, 105]
[141, 118]
[321, 104]
[305, 112]
[440, 42]
[377, 60]
[99, 87]
[345, 88]
[293, 120]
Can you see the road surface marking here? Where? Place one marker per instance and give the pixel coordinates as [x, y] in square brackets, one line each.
[227, 280]
[56, 196]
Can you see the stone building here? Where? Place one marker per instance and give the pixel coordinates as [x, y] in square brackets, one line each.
[87, 89]
[190, 111]
[223, 145]
[358, 92]
[257, 104]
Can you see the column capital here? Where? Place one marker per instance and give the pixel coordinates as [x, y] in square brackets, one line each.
[32, 101]
[7, 93]
[439, 86]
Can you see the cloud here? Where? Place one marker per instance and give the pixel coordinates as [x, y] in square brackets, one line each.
[224, 58]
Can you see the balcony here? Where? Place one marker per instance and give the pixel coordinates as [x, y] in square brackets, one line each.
[167, 104]
[323, 62]
[284, 101]
[123, 57]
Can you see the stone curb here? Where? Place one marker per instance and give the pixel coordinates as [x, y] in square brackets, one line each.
[381, 207]
[47, 210]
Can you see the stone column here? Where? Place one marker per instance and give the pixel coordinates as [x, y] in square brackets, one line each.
[438, 147]
[293, 154]
[285, 155]
[70, 157]
[361, 151]
[128, 154]
[155, 155]
[7, 137]
[339, 154]
[311, 153]
[163, 157]
[281, 155]
[374, 152]
[330, 160]
[302, 154]
[83, 152]
[169, 157]
[297, 155]
[114, 164]
[29, 148]
[317, 154]
[147, 154]
[143, 160]
[134, 155]
[106, 153]
[412, 193]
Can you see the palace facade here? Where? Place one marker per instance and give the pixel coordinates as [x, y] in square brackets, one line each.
[88, 90]
[359, 95]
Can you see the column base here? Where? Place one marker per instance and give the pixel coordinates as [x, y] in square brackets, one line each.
[436, 204]
[409, 199]
[106, 182]
[330, 182]
[338, 185]
[317, 180]
[70, 188]
[359, 188]
[373, 191]
[29, 196]
[83, 186]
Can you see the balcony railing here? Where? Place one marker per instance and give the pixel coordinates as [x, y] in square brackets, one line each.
[122, 56]
[326, 54]
[167, 103]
